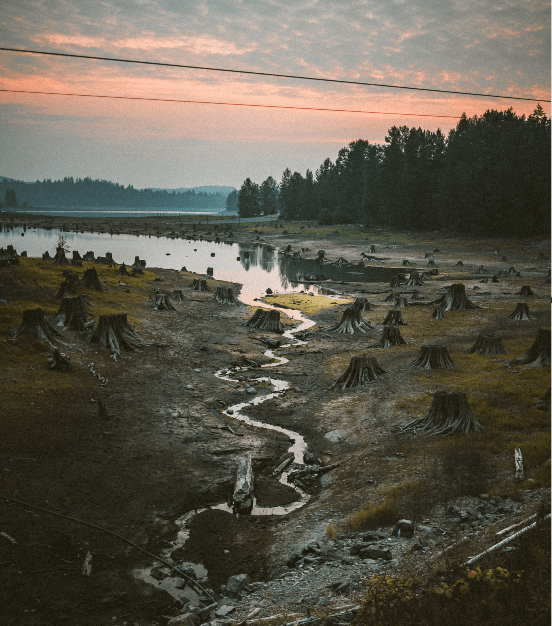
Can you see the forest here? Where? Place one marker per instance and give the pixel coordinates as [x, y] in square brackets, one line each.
[85, 192]
[491, 174]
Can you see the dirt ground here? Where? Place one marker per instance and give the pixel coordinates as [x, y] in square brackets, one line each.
[166, 448]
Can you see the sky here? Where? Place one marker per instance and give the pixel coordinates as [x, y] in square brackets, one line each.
[493, 47]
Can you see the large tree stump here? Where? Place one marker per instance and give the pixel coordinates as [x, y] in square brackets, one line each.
[69, 286]
[76, 256]
[242, 499]
[480, 270]
[114, 333]
[161, 302]
[525, 291]
[487, 344]
[320, 257]
[416, 295]
[46, 256]
[390, 336]
[395, 281]
[137, 271]
[252, 321]
[449, 414]
[414, 279]
[224, 295]
[73, 315]
[122, 271]
[390, 298]
[401, 302]
[361, 370]
[90, 280]
[406, 263]
[266, 320]
[455, 299]
[543, 404]
[438, 313]
[199, 284]
[394, 317]
[60, 258]
[431, 263]
[34, 324]
[351, 322]
[177, 294]
[361, 304]
[433, 357]
[521, 313]
[539, 352]
[59, 361]
[89, 256]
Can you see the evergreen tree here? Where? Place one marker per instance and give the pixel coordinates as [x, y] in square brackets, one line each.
[268, 197]
[248, 199]
[10, 199]
[232, 201]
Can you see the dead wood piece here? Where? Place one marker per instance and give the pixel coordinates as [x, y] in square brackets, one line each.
[123, 271]
[438, 313]
[518, 462]
[361, 370]
[521, 313]
[414, 279]
[351, 322]
[543, 404]
[539, 352]
[161, 302]
[525, 291]
[433, 357]
[242, 499]
[401, 302]
[224, 295]
[90, 280]
[416, 295]
[72, 314]
[390, 336]
[455, 299]
[199, 284]
[60, 258]
[177, 294]
[394, 317]
[320, 256]
[449, 414]
[59, 361]
[487, 344]
[115, 333]
[34, 324]
[361, 304]
[252, 321]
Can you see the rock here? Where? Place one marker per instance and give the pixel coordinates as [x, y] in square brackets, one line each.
[279, 572]
[373, 536]
[375, 552]
[404, 528]
[224, 610]
[188, 619]
[251, 390]
[158, 573]
[252, 587]
[313, 547]
[235, 585]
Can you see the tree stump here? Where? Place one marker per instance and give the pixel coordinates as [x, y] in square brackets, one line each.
[34, 324]
[114, 333]
[414, 279]
[89, 257]
[494, 279]
[361, 304]
[320, 256]
[73, 315]
[438, 313]
[122, 271]
[431, 263]
[401, 302]
[177, 294]
[525, 291]
[242, 499]
[69, 286]
[521, 313]
[460, 264]
[224, 295]
[59, 361]
[395, 282]
[539, 353]
[351, 322]
[60, 258]
[390, 298]
[416, 295]
[161, 302]
[455, 299]
[406, 263]
[428, 255]
[46, 256]
[543, 404]
[449, 414]
[266, 320]
[394, 317]
[76, 256]
[90, 280]
[137, 271]
[433, 357]
[361, 370]
[372, 248]
[480, 270]
[199, 284]
[390, 336]
[487, 344]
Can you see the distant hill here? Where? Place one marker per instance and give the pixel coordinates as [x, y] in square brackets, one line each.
[205, 189]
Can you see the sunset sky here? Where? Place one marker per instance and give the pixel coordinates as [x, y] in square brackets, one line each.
[495, 47]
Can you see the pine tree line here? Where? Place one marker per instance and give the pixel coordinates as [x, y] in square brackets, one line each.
[491, 174]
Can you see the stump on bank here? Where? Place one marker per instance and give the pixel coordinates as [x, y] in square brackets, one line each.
[390, 336]
[161, 302]
[199, 284]
[487, 344]
[351, 322]
[521, 313]
[361, 370]
[539, 352]
[433, 357]
[90, 280]
[34, 325]
[224, 295]
[455, 299]
[394, 317]
[438, 313]
[115, 333]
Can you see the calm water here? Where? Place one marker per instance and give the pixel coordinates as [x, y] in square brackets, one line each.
[118, 212]
[264, 269]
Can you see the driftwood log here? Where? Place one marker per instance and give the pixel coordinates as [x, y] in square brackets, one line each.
[521, 313]
[161, 302]
[242, 499]
[351, 322]
[487, 344]
[455, 299]
[90, 280]
[390, 336]
[199, 284]
[115, 333]
[34, 324]
[539, 352]
[518, 462]
[438, 313]
[449, 414]
[394, 317]
[59, 361]
[433, 357]
[361, 371]
[73, 315]
[224, 295]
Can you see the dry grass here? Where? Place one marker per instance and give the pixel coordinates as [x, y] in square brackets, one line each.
[309, 305]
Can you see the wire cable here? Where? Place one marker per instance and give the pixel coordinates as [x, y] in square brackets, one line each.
[231, 104]
[250, 72]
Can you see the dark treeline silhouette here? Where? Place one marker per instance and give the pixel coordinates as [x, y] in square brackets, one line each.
[491, 174]
[102, 193]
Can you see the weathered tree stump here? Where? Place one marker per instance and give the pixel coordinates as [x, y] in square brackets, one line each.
[361, 304]
[34, 324]
[390, 298]
[351, 322]
[428, 255]
[394, 317]
[494, 279]
[76, 256]
[115, 333]
[416, 295]
[73, 315]
[177, 294]
[199, 284]
[525, 291]
[137, 271]
[401, 302]
[539, 352]
[449, 414]
[487, 344]
[460, 264]
[69, 286]
[320, 256]
[521, 313]
[390, 336]
[438, 313]
[252, 321]
[480, 270]
[414, 279]
[60, 258]
[90, 280]
[161, 302]
[46, 256]
[395, 282]
[224, 295]
[122, 271]
[484, 280]
[433, 357]
[242, 499]
[372, 248]
[266, 320]
[89, 257]
[59, 361]
[455, 299]
[431, 263]
[543, 404]
[361, 370]
[406, 263]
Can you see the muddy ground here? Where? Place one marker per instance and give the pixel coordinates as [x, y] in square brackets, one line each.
[167, 449]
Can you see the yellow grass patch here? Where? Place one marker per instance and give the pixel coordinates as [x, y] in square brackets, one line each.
[309, 305]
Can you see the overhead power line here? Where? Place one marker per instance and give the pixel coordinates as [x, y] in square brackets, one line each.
[294, 76]
[231, 104]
